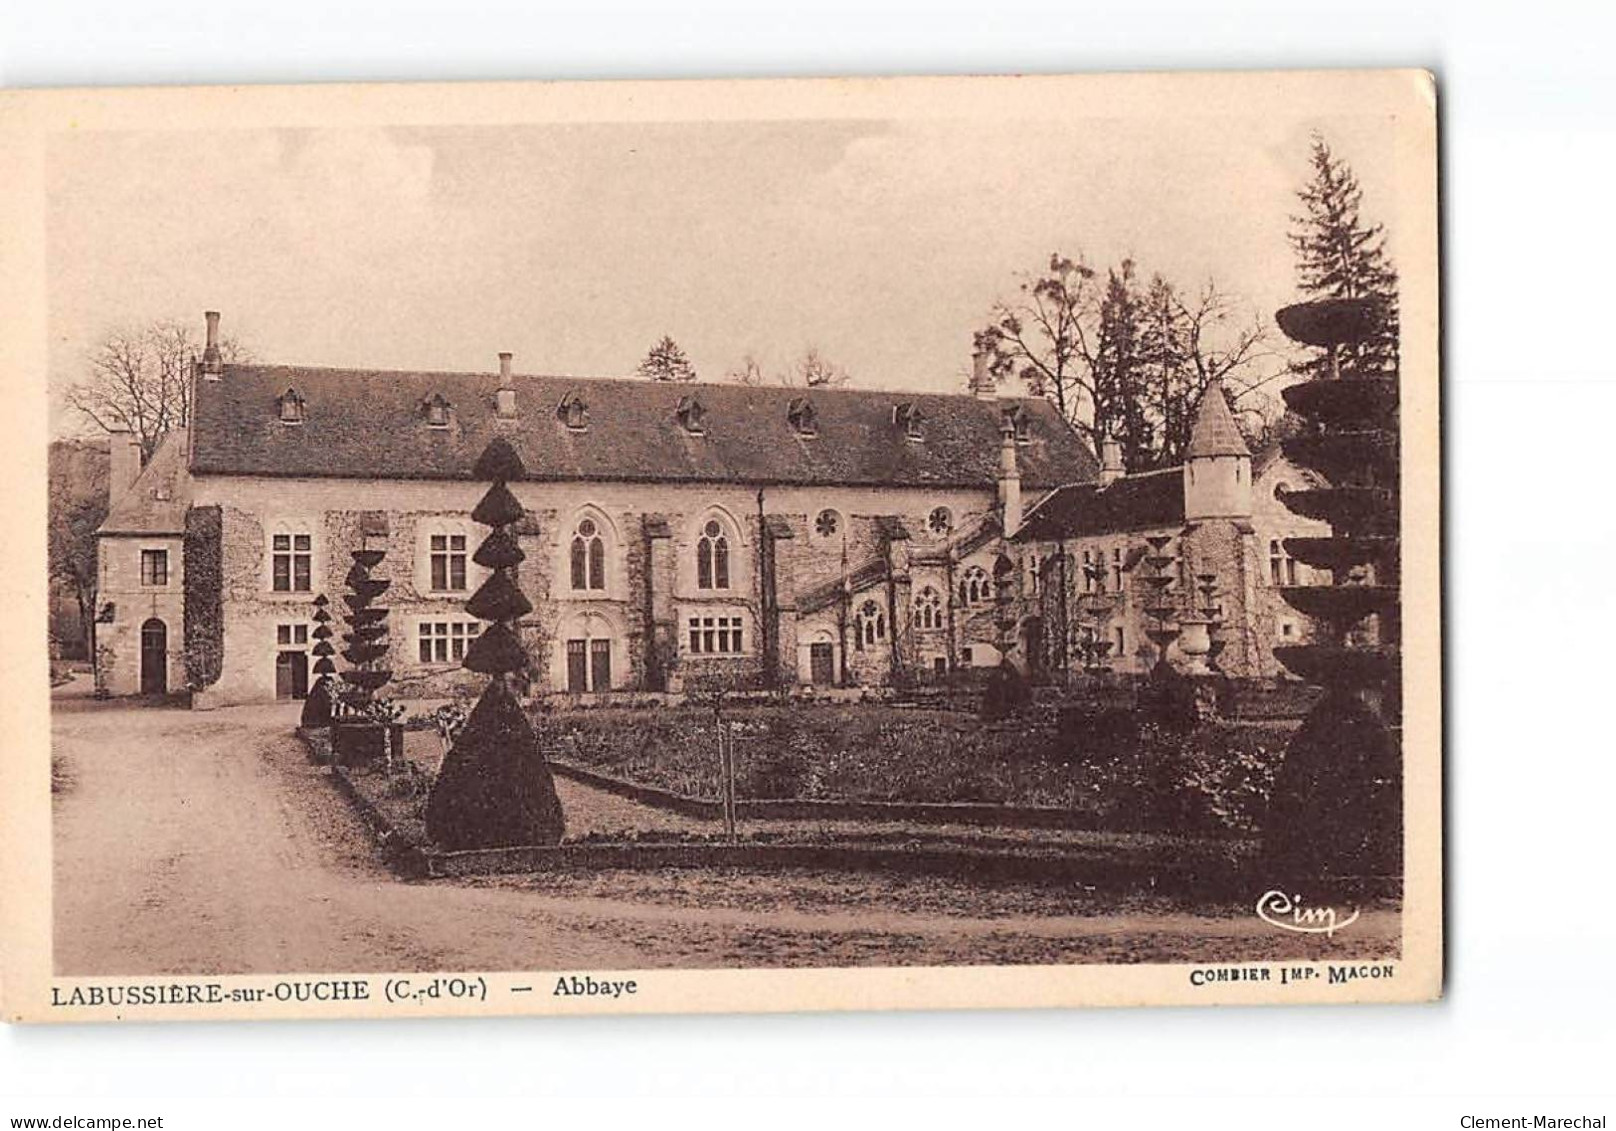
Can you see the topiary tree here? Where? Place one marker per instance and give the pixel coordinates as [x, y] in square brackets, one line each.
[366, 638]
[317, 707]
[495, 788]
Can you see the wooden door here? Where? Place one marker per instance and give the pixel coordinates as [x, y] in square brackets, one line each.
[822, 664]
[600, 665]
[154, 658]
[577, 667]
[299, 674]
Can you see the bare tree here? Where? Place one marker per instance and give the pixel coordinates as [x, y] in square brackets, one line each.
[812, 370]
[1043, 338]
[139, 379]
[815, 371]
[1188, 341]
[749, 371]
[1124, 362]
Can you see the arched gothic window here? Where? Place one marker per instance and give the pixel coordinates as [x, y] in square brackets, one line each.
[872, 624]
[588, 556]
[928, 608]
[712, 556]
[974, 587]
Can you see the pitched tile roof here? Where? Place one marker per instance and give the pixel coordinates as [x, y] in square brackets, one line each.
[157, 500]
[1214, 432]
[372, 424]
[1146, 501]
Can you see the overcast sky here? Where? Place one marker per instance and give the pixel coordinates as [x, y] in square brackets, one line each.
[577, 246]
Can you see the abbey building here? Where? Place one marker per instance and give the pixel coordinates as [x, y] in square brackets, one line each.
[679, 537]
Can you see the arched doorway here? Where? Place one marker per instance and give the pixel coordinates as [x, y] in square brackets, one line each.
[154, 657]
[817, 659]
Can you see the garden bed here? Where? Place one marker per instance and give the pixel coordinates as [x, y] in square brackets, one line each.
[1155, 864]
[872, 760]
[633, 836]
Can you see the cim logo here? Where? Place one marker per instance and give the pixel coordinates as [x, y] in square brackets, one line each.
[1287, 913]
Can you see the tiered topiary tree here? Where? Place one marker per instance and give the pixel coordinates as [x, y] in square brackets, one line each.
[1336, 807]
[317, 707]
[366, 638]
[361, 720]
[495, 788]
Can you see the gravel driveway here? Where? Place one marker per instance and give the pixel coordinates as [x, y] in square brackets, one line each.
[205, 843]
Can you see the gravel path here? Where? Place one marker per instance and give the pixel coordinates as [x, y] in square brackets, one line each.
[192, 842]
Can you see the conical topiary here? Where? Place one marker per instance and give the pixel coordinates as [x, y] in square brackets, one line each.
[317, 706]
[494, 789]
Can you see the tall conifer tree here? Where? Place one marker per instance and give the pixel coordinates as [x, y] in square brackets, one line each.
[1340, 255]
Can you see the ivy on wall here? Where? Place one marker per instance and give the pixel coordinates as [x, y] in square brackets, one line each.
[204, 596]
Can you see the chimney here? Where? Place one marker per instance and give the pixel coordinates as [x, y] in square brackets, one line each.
[982, 381]
[1111, 468]
[124, 467]
[505, 397]
[1009, 481]
[212, 362]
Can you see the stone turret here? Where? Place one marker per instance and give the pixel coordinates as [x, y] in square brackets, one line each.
[1217, 463]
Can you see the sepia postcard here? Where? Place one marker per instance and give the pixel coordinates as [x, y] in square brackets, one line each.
[582, 548]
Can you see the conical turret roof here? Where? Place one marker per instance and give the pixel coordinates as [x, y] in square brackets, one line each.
[1215, 432]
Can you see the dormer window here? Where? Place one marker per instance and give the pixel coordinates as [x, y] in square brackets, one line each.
[1016, 422]
[290, 405]
[692, 415]
[437, 411]
[804, 421]
[907, 416]
[573, 412]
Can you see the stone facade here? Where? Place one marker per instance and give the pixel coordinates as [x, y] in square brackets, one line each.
[892, 544]
[923, 598]
[139, 642]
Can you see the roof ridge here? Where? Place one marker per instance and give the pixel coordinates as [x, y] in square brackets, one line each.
[363, 423]
[493, 374]
[1170, 469]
